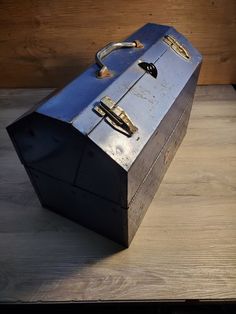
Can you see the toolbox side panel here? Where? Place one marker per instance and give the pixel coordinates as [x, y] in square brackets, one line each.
[149, 186]
[143, 162]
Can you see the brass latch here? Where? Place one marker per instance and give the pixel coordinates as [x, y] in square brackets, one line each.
[176, 46]
[115, 116]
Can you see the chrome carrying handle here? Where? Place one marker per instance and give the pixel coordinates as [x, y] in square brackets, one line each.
[101, 54]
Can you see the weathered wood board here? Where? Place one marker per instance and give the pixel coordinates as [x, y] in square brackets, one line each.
[184, 249]
[47, 43]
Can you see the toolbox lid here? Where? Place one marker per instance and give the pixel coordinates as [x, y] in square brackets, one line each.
[74, 102]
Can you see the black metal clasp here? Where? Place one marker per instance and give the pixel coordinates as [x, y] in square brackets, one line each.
[149, 68]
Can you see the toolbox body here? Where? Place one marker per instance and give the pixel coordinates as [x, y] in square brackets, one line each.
[97, 150]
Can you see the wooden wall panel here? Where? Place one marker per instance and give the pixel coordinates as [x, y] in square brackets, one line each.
[46, 43]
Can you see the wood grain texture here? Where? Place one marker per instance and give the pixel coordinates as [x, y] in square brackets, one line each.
[46, 43]
[185, 247]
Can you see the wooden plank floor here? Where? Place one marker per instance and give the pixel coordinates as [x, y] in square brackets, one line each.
[184, 249]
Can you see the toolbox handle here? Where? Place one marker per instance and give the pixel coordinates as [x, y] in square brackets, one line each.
[102, 53]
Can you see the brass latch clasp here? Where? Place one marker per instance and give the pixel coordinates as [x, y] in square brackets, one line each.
[176, 46]
[115, 116]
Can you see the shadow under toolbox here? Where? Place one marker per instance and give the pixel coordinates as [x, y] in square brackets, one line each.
[97, 150]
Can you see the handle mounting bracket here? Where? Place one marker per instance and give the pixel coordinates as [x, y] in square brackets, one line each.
[101, 54]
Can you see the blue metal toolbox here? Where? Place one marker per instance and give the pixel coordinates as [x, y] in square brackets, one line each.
[97, 150]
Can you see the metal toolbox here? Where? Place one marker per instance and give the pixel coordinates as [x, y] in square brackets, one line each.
[97, 150]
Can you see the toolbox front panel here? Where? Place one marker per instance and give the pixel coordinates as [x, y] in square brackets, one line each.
[48, 145]
[100, 175]
[96, 213]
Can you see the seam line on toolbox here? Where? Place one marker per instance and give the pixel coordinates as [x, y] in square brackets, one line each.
[73, 186]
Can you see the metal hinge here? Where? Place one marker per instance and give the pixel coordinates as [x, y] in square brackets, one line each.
[176, 46]
[115, 116]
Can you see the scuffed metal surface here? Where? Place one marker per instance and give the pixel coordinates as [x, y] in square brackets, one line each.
[82, 167]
